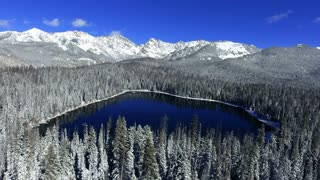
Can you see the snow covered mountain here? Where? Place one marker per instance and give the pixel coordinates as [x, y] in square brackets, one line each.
[74, 48]
[213, 50]
[156, 49]
[318, 47]
[111, 47]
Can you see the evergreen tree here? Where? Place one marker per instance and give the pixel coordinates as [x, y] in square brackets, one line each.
[67, 159]
[150, 166]
[120, 149]
[93, 154]
[162, 156]
[52, 164]
[103, 166]
[130, 170]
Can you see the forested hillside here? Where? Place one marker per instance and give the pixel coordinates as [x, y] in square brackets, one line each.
[32, 95]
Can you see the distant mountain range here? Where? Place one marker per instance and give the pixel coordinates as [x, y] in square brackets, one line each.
[298, 65]
[230, 61]
[73, 48]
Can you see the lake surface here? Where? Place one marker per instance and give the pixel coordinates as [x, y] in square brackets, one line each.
[147, 108]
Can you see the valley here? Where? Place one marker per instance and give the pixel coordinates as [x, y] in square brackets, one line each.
[205, 99]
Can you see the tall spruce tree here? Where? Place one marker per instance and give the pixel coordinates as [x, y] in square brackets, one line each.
[150, 166]
[120, 149]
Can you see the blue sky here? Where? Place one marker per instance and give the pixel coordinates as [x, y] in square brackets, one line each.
[263, 23]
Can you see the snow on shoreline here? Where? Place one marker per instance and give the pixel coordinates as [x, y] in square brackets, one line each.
[83, 104]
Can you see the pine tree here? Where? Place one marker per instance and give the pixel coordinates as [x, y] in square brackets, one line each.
[67, 159]
[93, 154]
[103, 166]
[264, 163]
[21, 149]
[150, 166]
[185, 153]
[261, 136]
[130, 169]
[120, 149]
[139, 144]
[52, 164]
[162, 156]
[194, 128]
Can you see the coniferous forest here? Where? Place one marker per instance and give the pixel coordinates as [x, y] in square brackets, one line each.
[31, 95]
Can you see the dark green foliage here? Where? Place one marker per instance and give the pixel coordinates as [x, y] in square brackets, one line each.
[150, 166]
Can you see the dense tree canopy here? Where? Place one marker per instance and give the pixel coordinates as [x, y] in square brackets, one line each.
[32, 95]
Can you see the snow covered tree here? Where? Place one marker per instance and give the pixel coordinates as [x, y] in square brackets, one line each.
[103, 166]
[52, 164]
[120, 149]
[93, 154]
[150, 166]
[139, 144]
[130, 169]
[162, 143]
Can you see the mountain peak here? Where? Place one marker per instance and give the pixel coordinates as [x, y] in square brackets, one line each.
[118, 36]
[302, 45]
[116, 47]
[153, 41]
[34, 31]
[115, 34]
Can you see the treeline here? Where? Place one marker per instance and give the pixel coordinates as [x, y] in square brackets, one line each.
[29, 95]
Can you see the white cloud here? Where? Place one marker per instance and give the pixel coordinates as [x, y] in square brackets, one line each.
[278, 17]
[317, 20]
[5, 23]
[26, 22]
[115, 33]
[80, 23]
[54, 22]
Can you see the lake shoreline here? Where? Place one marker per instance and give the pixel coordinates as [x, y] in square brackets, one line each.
[83, 104]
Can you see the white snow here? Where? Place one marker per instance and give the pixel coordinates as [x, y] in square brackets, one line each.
[90, 61]
[300, 45]
[119, 48]
[231, 49]
[156, 49]
[116, 47]
[318, 47]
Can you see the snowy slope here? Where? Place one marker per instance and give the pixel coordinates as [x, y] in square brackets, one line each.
[75, 47]
[116, 47]
[156, 49]
[183, 52]
[212, 50]
[170, 51]
[32, 35]
[228, 49]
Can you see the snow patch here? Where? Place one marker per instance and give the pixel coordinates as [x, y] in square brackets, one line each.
[91, 61]
[231, 49]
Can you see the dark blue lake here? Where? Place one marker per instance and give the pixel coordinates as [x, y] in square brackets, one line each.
[147, 108]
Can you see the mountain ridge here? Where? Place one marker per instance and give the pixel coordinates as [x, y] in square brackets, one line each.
[111, 48]
[75, 48]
